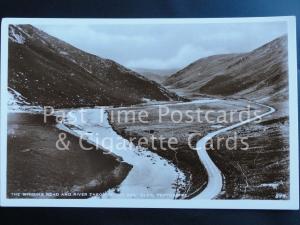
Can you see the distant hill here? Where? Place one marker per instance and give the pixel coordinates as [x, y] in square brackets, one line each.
[257, 75]
[48, 71]
[156, 75]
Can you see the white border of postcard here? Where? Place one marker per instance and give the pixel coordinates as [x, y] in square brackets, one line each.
[292, 203]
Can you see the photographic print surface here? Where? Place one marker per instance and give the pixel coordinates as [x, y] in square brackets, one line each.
[190, 113]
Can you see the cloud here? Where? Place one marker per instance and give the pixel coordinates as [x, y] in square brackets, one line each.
[184, 56]
[165, 46]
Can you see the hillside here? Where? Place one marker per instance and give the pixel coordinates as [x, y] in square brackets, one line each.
[48, 71]
[257, 75]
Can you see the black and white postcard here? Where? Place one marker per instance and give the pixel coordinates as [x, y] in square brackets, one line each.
[149, 113]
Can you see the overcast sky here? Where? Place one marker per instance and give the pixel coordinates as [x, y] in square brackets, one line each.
[166, 46]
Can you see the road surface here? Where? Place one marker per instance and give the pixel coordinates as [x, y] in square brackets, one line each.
[215, 181]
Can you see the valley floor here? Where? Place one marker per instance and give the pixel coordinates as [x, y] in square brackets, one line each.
[261, 172]
[267, 178]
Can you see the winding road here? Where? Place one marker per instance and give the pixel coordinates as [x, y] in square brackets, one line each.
[215, 181]
[161, 175]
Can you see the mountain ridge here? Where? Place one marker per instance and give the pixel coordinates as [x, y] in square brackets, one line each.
[255, 75]
[49, 71]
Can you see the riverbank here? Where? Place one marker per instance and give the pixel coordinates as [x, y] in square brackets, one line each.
[152, 176]
[36, 166]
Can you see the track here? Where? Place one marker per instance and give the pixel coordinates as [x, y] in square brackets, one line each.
[215, 181]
